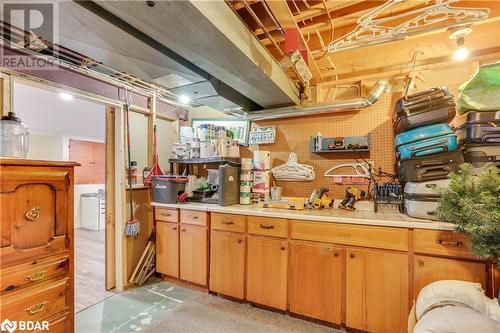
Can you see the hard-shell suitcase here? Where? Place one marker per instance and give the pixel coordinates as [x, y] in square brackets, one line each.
[421, 199]
[431, 167]
[478, 127]
[482, 156]
[424, 108]
[426, 140]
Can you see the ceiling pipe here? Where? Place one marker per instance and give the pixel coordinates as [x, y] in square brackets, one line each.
[306, 110]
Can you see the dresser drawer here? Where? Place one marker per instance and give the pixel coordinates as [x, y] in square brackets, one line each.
[59, 324]
[193, 217]
[357, 235]
[228, 222]
[167, 215]
[268, 226]
[38, 302]
[446, 243]
[10, 255]
[33, 272]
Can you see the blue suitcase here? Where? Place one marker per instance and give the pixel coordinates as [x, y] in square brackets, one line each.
[426, 140]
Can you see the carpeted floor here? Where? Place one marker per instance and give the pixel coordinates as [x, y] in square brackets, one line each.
[208, 313]
[159, 307]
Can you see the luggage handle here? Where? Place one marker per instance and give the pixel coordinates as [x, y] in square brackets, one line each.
[444, 147]
[437, 171]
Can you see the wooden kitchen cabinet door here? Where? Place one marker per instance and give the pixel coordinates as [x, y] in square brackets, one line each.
[167, 248]
[227, 264]
[377, 290]
[98, 163]
[92, 157]
[193, 254]
[429, 269]
[316, 281]
[267, 268]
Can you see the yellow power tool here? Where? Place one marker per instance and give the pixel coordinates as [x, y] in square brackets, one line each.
[352, 194]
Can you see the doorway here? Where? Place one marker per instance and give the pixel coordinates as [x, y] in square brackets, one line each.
[68, 127]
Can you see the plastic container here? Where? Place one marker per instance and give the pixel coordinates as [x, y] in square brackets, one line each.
[133, 172]
[166, 189]
[145, 174]
[14, 137]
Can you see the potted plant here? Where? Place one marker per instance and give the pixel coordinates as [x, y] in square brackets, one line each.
[473, 204]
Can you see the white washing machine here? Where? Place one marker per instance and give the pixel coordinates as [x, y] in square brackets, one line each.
[93, 211]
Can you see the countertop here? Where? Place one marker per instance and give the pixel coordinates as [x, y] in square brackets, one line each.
[364, 215]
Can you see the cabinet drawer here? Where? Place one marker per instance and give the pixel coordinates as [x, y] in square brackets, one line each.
[33, 272]
[167, 215]
[268, 226]
[446, 243]
[59, 324]
[10, 255]
[366, 236]
[193, 217]
[228, 222]
[38, 302]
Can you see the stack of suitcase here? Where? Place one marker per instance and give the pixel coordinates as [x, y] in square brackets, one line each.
[426, 148]
[478, 133]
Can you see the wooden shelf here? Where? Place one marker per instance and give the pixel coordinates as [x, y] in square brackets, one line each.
[221, 160]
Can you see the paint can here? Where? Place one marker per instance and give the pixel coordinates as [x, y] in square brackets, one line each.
[246, 176]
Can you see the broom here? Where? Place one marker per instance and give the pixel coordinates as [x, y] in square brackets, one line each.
[156, 170]
[133, 226]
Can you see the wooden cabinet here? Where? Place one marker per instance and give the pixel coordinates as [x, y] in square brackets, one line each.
[316, 280]
[445, 243]
[193, 254]
[267, 269]
[36, 253]
[167, 248]
[92, 159]
[429, 269]
[227, 264]
[377, 290]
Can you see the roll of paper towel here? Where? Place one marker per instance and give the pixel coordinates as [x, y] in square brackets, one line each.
[261, 160]
[261, 179]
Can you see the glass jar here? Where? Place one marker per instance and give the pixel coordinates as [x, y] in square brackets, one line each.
[14, 137]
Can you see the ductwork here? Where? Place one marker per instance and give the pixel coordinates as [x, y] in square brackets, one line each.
[306, 110]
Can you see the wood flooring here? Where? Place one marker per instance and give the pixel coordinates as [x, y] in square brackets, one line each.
[89, 268]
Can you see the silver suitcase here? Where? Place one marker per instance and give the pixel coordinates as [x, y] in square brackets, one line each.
[421, 198]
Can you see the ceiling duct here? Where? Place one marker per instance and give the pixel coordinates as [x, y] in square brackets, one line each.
[306, 110]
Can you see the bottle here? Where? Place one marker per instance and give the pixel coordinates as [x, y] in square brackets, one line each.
[14, 137]
[319, 142]
[133, 172]
[145, 174]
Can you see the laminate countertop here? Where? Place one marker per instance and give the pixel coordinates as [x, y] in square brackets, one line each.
[364, 215]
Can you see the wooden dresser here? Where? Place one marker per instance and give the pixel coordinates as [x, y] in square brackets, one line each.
[36, 254]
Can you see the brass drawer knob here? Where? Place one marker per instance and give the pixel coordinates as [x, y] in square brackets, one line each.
[33, 214]
[35, 308]
[37, 276]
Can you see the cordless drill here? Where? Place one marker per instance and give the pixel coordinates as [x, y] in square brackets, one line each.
[352, 194]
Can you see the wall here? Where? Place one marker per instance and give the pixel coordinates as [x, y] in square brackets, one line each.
[167, 134]
[45, 147]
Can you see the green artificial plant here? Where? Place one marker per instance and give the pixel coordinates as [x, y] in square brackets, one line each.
[473, 204]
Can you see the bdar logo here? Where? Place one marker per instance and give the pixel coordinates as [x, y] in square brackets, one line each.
[8, 325]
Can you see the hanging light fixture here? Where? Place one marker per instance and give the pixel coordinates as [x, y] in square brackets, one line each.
[461, 53]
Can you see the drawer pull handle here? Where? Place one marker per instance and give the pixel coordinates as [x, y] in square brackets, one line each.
[183, 230]
[352, 255]
[35, 308]
[174, 228]
[37, 276]
[227, 222]
[194, 217]
[283, 248]
[33, 214]
[449, 243]
[266, 226]
[167, 214]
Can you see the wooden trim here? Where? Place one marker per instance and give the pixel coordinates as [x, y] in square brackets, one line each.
[110, 255]
[15, 161]
[5, 94]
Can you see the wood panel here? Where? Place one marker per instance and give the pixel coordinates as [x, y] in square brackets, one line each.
[227, 264]
[268, 226]
[227, 222]
[167, 248]
[316, 281]
[377, 290]
[193, 254]
[429, 269]
[446, 243]
[193, 217]
[366, 236]
[267, 272]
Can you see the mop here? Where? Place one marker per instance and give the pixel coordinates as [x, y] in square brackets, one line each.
[133, 226]
[156, 170]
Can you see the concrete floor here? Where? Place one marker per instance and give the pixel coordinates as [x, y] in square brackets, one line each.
[158, 306]
[89, 268]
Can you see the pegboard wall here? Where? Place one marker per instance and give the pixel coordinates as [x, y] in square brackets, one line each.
[293, 135]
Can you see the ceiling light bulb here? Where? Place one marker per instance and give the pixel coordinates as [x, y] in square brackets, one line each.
[461, 53]
[66, 96]
[184, 99]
